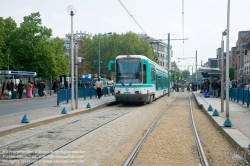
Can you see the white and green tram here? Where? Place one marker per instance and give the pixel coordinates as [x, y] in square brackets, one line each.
[139, 79]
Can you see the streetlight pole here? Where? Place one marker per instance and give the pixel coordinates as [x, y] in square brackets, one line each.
[227, 123]
[196, 67]
[72, 11]
[174, 72]
[99, 56]
[168, 63]
[76, 69]
[222, 72]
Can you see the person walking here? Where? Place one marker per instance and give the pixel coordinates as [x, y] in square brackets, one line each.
[9, 88]
[66, 84]
[219, 88]
[20, 89]
[29, 90]
[215, 88]
[98, 87]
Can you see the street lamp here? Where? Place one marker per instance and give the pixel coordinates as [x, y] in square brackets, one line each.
[227, 123]
[72, 11]
[99, 52]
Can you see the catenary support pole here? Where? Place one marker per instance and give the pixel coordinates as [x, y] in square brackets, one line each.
[168, 64]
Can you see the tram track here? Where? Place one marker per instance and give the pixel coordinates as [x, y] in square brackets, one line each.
[36, 144]
[136, 149]
[171, 140]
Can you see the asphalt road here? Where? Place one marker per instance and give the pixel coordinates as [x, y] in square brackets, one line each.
[21, 105]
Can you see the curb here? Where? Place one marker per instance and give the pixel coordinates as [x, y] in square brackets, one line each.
[221, 128]
[51, 119]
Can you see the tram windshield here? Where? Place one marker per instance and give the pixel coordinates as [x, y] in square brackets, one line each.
[128, 71]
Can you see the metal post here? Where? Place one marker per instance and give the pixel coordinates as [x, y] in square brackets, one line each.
[222, 75]
[157, 54]
[192, 74]
[174, 72]
[168, 63]
[227, 63]
[196, 67]
[227, 122]
[8, 65]
[99, 55]
[72, 62]
[76, 68]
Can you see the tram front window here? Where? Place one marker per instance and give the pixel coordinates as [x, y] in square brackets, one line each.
[128, 71]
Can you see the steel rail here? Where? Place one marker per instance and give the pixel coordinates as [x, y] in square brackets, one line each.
[197, 139]
[56, 149]
[139, 144]
[49, 129]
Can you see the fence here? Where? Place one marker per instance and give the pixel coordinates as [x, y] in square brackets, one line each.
[64, 95]
[240, 95]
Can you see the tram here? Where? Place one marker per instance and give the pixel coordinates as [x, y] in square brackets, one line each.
[139, 79]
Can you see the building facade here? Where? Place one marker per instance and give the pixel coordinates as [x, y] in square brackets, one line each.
[159, 49]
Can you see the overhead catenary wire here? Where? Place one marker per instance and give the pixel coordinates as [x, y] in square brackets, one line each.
[132, 16]
[183, 25]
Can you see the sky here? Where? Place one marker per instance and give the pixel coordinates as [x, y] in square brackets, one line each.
[202, 23]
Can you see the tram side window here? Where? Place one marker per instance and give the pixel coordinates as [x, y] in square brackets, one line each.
[144, 74]
[159, 82]
[152, 74]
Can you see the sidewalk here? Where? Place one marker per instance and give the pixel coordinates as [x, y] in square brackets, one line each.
[5, 96]
[239, 115]
[12, 122]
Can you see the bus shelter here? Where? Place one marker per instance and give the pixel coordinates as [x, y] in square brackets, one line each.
[15, 76]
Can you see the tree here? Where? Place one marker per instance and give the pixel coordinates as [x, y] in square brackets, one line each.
[185, 74]
[110, 47]
[7, 28]
[231, 73]
[194, 77]
[29, 44]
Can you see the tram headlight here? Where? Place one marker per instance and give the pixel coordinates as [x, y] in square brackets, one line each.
[138, 92]
[117, 91]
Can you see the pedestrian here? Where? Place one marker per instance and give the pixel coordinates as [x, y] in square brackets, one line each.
[66, 84]
[54, 87]
[12, 86]
[9, 88]
[42, 88]
[28, 90]
[20, 89]
[33, 89]
[215, 88]
[188, 88]
[98, 87]
[219, 88]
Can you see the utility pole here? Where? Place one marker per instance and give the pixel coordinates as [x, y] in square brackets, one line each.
[196, 67]
[169, 59]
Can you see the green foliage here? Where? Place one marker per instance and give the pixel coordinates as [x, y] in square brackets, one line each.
[28, 48]
[231, 73]
[175, 74]
[110, 47]
[7, 28]
[185, 74]
[194, 76]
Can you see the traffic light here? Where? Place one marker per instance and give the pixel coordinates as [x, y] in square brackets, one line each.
[245, 50]
[204, 74]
